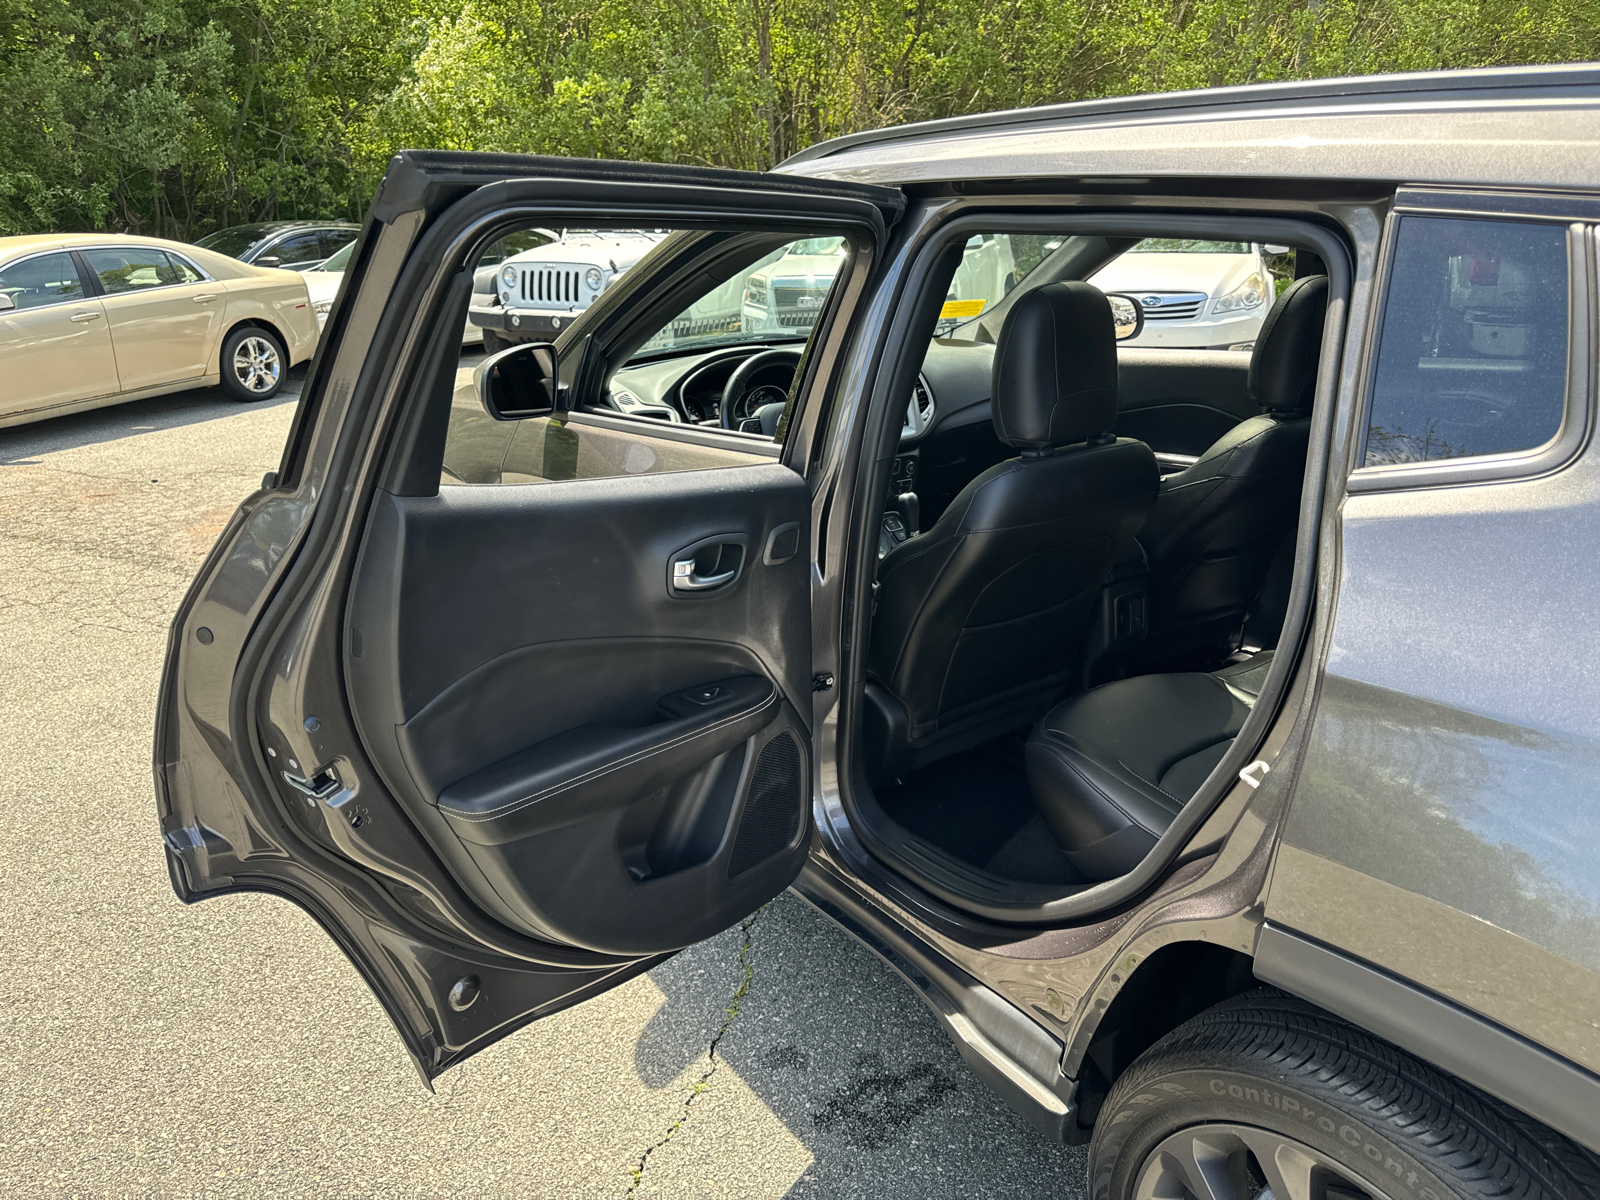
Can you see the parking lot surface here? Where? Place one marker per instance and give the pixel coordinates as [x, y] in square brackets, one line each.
[229, 1049]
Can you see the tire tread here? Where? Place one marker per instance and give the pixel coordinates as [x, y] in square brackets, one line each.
[1487, 1148]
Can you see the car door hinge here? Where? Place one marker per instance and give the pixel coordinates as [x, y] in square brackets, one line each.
[822, 682]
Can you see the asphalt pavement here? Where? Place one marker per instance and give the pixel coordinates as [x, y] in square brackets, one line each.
[229, 1049]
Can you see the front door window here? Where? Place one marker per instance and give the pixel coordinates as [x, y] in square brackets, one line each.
[47, 279]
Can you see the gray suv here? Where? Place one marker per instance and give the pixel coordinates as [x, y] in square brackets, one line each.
[1207, 737]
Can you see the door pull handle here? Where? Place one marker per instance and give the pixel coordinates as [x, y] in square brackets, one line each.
[205, 298]
[712, 564]
[81, 317]
[684, 578]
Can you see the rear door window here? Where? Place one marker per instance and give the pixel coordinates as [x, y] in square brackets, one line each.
[301, 248]
[335, 240]
[183, 271]
[1472, 353]
[131, 269]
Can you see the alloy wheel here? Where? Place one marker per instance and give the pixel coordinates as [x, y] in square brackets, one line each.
[257, 364]
[1240, 1162]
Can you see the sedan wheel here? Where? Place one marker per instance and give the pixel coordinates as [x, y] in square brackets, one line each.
[253, 364]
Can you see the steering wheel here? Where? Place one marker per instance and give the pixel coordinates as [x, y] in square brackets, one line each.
[761, 397]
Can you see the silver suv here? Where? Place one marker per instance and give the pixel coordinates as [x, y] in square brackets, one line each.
[1207, 739]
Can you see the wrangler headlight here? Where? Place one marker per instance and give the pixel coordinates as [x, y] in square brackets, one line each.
[509, 276]
[1248, 294]
[592, 278]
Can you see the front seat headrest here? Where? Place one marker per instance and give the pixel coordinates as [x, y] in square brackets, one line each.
[1055, 368]
[1283, 365]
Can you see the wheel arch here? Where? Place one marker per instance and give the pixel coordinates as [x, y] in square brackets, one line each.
[1175, 982]
[253, 322]
[1181, 979]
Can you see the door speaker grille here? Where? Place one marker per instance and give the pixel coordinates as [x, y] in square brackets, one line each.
[772, 812]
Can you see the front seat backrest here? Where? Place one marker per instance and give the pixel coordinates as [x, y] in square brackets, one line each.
[1218, 523]
[982, 620]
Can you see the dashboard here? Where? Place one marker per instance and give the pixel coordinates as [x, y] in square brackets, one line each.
[952, 390]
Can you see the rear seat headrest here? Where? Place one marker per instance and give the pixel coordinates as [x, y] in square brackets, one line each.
[1055, 368]
[1283, 365]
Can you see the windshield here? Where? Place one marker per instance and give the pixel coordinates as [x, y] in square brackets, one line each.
[339, 261]
[234, 242]
[992, 265]
[778, 298]
[1188, 246]
[781, 296]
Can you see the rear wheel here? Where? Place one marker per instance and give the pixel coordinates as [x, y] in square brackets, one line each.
[254, 364]
[1265, 1097]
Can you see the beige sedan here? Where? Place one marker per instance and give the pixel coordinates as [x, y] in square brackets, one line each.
[93, 319]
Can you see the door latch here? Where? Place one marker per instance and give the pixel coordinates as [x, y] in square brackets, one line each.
[324, 785]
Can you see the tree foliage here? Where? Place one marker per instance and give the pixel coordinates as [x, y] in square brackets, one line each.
[177, 116]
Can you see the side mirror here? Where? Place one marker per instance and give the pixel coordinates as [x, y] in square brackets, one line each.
[518, 383]
[6, 302]
[1127, 316]
[268, 260]
[1275, 249]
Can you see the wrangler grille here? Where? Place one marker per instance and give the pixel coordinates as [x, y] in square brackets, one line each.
[552, 287]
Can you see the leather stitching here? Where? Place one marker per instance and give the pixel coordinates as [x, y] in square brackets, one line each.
[1061, 753]
[1157, 786]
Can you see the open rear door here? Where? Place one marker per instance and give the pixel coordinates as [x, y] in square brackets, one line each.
[510, 743]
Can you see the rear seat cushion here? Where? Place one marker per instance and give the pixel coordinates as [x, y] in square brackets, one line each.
[1111, 768]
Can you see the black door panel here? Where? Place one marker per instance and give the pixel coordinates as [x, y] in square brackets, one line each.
[579, 735]
[1181, 401]
[360, 646]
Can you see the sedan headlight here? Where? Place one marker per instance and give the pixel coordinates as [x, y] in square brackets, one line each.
[592, 278]
[509, 276]
[1248, 294]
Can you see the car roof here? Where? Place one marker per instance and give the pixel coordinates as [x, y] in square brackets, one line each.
[67, 241]
[266, 227]
[1520, 126]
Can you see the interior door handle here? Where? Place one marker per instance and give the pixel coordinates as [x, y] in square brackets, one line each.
[80, 318]
[709, 565]
[684, 578]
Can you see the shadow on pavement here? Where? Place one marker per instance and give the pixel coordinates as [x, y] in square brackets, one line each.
[19, 443]
[842, 1051]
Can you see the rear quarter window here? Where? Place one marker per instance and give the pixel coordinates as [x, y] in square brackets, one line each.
[1472, 350]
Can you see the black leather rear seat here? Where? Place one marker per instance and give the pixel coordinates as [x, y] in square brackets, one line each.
[1111, 768]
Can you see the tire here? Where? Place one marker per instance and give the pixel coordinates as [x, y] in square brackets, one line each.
[1265, 1091]
[254, 364]
[493, 343]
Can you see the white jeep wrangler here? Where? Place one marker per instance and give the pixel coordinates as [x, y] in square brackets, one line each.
[532, 296]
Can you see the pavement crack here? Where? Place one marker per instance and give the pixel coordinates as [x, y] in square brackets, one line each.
[703, 1084]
